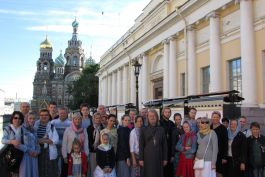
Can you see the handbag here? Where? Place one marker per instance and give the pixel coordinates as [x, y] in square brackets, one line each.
[13, 156]
[199, 163]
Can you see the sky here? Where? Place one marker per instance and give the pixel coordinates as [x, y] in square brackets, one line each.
[24, 25]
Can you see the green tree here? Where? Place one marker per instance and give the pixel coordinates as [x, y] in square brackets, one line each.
[85, 89]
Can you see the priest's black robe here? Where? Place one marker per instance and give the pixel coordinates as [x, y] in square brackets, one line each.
[153, 151]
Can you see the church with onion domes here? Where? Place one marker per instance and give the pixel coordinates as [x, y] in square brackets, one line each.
[53, 76]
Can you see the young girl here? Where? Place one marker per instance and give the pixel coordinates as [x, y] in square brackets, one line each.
[77, 161]
[105, 156]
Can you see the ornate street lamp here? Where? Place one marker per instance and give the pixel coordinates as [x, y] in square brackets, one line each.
[137, 67]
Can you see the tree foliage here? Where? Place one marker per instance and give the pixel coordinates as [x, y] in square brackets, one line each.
[85, 89]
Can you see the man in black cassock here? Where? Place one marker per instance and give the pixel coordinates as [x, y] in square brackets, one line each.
[152, 148]
[168, 126]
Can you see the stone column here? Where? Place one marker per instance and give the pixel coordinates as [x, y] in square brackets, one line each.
[144, 84]
[114, 88]
[140, 82]
[166, 69]
[192, 84]
[248, 55]
[119, 86]
[125, 79]
[109, 89]
[100, 82]
[103, 91]
[215, 53]
[132, 86]
[172, 67]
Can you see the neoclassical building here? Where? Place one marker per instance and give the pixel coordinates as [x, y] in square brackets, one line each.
[189, 47]
[53, 77]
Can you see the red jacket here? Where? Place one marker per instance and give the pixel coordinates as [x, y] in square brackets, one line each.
[83, 164]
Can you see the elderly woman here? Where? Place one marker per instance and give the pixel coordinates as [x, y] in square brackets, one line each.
[207, 149]
[153, 147]
[237, 150]
[13, 136]
[48, 139]
[29, 164]
[187, 146]
[72, 132]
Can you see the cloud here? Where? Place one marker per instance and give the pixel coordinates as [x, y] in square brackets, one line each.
[17, 12]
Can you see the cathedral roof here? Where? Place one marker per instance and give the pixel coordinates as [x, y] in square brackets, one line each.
[46, 44]
[59, 61]
[90, 61]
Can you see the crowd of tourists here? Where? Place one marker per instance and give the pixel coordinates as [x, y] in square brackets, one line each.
[144, 145]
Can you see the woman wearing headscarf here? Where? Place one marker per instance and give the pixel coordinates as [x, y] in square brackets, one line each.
[237, 150]
[111, 130]
[153, 147]
[134, 146]
[187, 146]
[29, 164]
[12, 136]
[105, 158]
[93, 132]
[75, 131]
[207, 149]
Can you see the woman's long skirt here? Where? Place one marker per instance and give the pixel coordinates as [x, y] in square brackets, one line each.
[136, 171]
[185, 167]
[207, 171]
[100, 173]
[123, 170]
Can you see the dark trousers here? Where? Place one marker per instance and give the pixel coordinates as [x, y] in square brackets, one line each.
[233, 168]
[64, 168]
[169, 170]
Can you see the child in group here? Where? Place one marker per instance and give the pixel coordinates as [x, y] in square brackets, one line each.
[77, 161]
[105, 157]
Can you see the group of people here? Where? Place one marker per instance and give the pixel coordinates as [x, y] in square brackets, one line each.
[141, 145]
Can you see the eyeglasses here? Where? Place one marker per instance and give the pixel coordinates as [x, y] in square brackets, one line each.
[204, 122]
[15, 117]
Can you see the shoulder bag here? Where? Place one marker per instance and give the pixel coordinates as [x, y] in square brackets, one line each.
[199, 163]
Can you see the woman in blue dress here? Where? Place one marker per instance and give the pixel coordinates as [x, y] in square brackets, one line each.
[29, 164]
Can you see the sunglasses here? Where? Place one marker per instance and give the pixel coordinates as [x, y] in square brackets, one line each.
[15, 117]
[204, 122]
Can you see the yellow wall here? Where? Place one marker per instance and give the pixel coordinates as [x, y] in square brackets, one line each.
[202, 60]
[260, 47]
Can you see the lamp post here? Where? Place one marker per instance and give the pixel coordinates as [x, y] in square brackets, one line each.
[137, 67]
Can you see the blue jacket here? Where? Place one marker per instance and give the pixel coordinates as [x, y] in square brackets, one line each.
[189, 154]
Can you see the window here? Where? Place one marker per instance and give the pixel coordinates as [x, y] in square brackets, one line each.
[235, 75]
[158, 89]
[205, 79]
[183, 84]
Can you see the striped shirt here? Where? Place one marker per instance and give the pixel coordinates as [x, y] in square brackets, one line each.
[41, 131]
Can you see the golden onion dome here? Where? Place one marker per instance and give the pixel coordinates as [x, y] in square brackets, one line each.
[46, 44]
